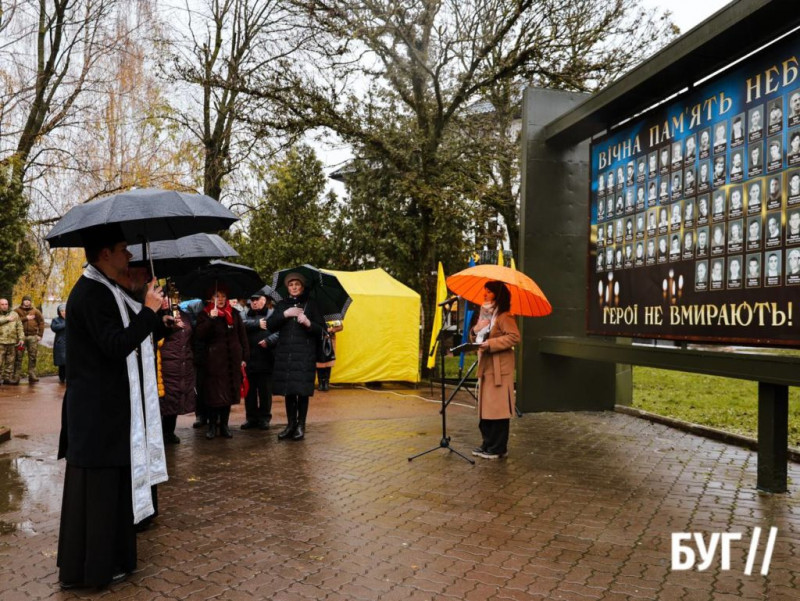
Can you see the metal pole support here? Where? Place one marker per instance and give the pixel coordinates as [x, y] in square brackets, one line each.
[773, 437]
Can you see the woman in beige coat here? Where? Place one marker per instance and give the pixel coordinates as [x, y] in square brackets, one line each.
[497, 332]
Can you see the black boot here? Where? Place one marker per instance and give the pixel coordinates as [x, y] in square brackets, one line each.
[323, 386]
[291, 416]
[288, 431]
[224, 430]
[212, 429]
[302, 412]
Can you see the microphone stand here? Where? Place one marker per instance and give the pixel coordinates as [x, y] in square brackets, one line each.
[444, 443]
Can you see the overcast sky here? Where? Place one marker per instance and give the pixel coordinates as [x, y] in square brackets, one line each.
[688, 13]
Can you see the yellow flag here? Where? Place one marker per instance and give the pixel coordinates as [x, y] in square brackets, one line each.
[500, 260]
[441, 296]
[513, 265]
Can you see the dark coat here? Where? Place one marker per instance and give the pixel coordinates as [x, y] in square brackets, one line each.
[296, 353]
[96, 414]
[227, 348]
[262, 360]
[177, 371]
[59, 325]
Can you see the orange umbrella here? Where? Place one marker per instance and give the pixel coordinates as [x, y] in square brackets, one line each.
[527, 299]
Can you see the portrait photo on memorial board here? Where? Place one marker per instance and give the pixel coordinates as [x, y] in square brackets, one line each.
[794, 109]
[774, 272]
[754, 188]
[774, 154]
[774, 193]
[752, 278]
[704, 147]
[755, 159]
[793, 192]
[754, 233]
[704, 177]
[734, 281]
[793, 148]
[701, 276]
[702, 247]
[755, 129]
[705, 193]
[737, 130]
[735, 203]
[720, 141]
[736, 170]
[719, 174]
[775, 112]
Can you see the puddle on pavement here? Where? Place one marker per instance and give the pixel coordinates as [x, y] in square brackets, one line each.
[28, 486]
[11, 488]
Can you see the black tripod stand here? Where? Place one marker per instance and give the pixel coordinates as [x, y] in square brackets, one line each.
[444, 443]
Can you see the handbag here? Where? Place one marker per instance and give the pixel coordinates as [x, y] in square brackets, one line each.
[325, 348]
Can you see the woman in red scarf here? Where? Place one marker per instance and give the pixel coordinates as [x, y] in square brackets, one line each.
[221, 328]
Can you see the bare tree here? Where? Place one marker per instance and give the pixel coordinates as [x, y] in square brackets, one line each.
[48, 58]
[227, 43]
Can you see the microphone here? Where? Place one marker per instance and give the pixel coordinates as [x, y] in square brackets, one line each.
[448, 301]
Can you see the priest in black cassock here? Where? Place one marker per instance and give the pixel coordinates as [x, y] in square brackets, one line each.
[109, 418]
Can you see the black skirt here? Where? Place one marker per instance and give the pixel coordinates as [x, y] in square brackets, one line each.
[97, 539]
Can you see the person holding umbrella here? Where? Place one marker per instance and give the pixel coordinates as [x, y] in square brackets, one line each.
[505, 293]
[497, 333]
[300, 325]
[220, 327]
[111, 397]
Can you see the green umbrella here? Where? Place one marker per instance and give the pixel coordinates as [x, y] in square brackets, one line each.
[324, 288]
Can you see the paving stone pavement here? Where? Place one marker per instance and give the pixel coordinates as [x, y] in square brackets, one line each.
[582, 509]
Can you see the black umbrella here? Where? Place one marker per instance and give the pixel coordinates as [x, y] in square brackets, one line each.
[268, 292]
[175, 257]
[145, 214]
[325, 288]
[239, 280]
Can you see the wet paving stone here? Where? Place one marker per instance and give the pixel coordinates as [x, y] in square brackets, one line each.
[583, 508]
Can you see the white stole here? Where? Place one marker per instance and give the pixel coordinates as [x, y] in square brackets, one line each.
[148, 464]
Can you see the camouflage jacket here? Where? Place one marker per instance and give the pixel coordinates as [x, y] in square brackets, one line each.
[11, 332]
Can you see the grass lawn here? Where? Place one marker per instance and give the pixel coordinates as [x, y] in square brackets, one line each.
[44, 363]
[724, 403]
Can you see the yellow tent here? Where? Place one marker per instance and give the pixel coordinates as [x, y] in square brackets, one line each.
[380, 340]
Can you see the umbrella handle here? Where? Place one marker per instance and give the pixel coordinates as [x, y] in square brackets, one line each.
[150, 256]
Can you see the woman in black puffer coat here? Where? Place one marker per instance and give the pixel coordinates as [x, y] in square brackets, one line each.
[300, 325]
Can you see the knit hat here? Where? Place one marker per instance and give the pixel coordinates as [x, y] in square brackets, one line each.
[27, 298]
[295, 275]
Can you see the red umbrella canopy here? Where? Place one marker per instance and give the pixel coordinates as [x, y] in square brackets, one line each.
[527, 299]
